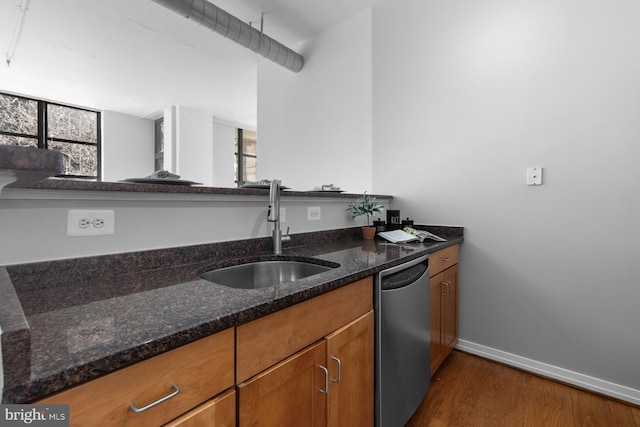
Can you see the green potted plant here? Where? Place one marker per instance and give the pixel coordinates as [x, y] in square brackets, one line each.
[365, 205]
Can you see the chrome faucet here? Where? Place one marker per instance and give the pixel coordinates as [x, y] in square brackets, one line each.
[273, 215]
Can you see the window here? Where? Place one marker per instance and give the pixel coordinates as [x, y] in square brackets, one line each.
[246, 156]
[159, 144]
[75, 132]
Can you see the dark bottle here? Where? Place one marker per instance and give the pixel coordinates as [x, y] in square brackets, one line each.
[407, 223]
[380, 225]
[393, 220]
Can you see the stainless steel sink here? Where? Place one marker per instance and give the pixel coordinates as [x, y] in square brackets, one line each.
[263, 274]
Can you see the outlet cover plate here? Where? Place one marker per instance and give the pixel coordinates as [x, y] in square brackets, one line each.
[81, 223]
[314, 213]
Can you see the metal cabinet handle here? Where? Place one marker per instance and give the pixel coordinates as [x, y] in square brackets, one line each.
[326, 380]
[337, 381]
[137, 410]
[446, 288]
[447, 259]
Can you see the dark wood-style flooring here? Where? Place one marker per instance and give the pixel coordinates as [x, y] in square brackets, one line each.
[472, 391]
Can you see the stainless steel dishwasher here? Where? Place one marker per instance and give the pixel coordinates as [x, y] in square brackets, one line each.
[403, 341]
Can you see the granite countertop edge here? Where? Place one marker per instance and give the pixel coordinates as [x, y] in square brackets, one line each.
[23, 388]
[67, 184]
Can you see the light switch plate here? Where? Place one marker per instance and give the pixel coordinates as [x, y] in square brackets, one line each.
[534, 176]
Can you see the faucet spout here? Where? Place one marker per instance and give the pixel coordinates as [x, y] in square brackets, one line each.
[274, 202]
[273, 215]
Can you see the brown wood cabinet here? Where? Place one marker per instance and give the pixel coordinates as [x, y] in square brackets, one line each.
[270, 339]
[218, 412]
[310, 364]
[287, 394]
[351, 380]
[443, 286]
[330, 382]
[199, 370]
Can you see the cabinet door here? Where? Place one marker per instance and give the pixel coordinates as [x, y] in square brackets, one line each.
[351, 374]
[291, 393]
[444, 315]
[435, 300]
[450, 309]
[218, 412]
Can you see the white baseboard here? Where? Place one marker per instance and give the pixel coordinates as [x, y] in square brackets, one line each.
[560, 374]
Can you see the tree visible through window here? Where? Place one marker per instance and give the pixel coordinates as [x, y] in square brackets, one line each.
[75, 132]
[246, 156]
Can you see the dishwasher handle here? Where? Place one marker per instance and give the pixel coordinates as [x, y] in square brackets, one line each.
[404, 277]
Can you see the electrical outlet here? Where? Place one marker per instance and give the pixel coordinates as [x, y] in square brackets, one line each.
[90, 223]
[314, 213]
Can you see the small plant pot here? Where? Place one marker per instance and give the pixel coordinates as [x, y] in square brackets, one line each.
[368, 233]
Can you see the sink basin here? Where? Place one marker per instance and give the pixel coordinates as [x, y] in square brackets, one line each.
[262, 274]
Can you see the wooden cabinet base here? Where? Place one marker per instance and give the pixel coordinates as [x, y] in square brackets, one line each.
[218, 412]
[290, 394]
[201, 370]
[272, 338]
[443, 294]
[351, 374]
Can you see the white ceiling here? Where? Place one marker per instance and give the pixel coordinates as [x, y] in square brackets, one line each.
[135, 56]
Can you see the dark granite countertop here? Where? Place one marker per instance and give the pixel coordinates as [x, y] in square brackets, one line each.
[67, 184]
[29, 164]
[69, 321]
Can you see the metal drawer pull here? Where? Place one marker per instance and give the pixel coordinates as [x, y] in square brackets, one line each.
[157, 402]
[337, 381]
[447, 259]
[326, 380]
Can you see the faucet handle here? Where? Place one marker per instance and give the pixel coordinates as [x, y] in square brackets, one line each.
[286, 237]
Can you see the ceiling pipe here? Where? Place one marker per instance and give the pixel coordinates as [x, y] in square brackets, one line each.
[216, 19]
[22, 11]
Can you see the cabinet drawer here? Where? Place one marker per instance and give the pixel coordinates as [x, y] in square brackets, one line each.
[443, 259]
[200, 370]
[270, 339]
[220, 411]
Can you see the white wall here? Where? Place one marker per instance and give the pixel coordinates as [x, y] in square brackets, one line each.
[314, 127]
[127, 146]
[478, 91]
[170, 155]
[224, 157]
[148, 221]
[194, 144]
[204, 146]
